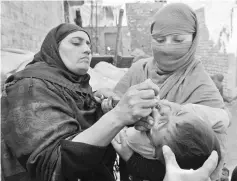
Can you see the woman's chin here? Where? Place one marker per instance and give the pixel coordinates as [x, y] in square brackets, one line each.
[81, 70]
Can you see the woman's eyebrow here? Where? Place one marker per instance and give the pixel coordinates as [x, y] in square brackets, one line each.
[161, 37]
[179, 36]
[81, 39]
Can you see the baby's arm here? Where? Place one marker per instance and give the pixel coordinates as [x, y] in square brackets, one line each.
[139, 142]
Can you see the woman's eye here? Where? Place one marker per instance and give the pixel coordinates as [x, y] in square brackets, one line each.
[76, 43]
[160, 40]
[89, 44]
[178, 41]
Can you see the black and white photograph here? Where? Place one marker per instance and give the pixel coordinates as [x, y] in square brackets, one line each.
[118, 90]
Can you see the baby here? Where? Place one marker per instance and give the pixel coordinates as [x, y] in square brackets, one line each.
[188, 131]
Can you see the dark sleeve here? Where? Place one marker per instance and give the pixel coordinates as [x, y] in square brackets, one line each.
[79, 159]
[35, 118]
[142, 168]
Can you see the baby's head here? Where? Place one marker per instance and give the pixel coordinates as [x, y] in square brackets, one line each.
[191, 139]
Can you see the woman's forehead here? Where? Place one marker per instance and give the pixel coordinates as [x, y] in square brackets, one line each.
[184, 36]
[78, 34]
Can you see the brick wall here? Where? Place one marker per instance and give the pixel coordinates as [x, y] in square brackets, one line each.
[139, 17]
[26, 23]
[213, 58]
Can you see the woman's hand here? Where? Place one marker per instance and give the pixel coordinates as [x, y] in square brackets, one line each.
[137, 102]
[144, 124]
[121, 147]
[175, 173]
[105, 93]
[167, 107]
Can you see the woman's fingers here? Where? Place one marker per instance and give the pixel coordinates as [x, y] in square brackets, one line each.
[122, 148]
[117, 146]
[169, 156]
[146, 94]
[155, 114]
[210, 164]
[146, 85]
[140, 128]
[168, 107]
[137, 102]
[98, 99]
[105, 93]
[144, 124]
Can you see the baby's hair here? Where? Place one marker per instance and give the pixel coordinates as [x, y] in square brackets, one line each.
[234, 174]
[192, 143]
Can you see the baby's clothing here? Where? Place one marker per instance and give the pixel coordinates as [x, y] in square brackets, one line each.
[140, 142]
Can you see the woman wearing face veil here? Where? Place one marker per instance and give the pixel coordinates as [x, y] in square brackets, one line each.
[180, 77]
[52, 126]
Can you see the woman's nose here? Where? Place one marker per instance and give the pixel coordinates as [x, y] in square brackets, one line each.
[87, 49]
[168, 40]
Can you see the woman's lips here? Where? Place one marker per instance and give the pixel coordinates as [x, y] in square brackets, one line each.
[84, 59]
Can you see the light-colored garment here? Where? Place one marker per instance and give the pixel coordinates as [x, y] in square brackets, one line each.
[192, 85]
[140, 143]
[181, 80]
[188, 82]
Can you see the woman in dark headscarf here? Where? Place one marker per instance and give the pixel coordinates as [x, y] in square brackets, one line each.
[173, 67]
[52, 129]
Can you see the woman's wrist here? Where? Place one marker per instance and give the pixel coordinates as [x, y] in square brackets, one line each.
[102, 132]
[118, 117]
[115, 119]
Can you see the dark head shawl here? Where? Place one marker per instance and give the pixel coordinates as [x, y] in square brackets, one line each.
[50, 55]
[48, 65]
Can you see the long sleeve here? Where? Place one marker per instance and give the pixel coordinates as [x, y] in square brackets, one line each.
[35, 118]
[80, 160]
[145, 169]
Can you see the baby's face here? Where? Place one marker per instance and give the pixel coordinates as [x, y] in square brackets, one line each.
[164, 127]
